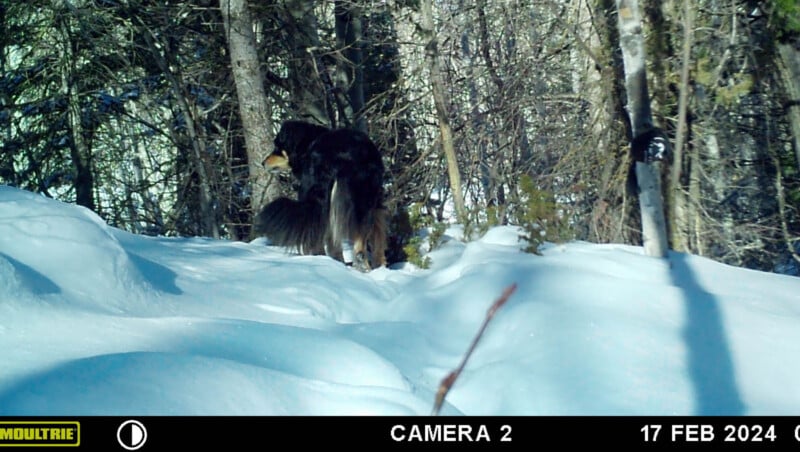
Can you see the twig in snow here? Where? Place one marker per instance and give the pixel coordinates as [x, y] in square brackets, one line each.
[450, 379]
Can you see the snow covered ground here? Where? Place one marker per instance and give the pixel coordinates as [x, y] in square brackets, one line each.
[97, 321]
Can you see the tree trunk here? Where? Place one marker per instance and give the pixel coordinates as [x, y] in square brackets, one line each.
[80, 151]
[310, 99]
[350, 63]
[788, 238]
[789, 67]
[719, 178]
[609, 210]
[654, 234]
[694, 215]
[196, 156]
[253, 107]
[7, 172]
[679, 220]
[440, 102]
[513, 136]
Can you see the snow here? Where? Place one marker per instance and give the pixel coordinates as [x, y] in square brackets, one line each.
[97, 321]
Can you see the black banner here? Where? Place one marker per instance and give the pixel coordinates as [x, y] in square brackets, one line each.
[148, 433]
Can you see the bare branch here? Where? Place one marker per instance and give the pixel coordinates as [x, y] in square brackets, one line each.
[450, 379]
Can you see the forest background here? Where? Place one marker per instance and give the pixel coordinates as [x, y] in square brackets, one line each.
[157, 115]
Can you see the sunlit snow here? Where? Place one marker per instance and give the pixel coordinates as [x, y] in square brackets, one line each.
[97, 321]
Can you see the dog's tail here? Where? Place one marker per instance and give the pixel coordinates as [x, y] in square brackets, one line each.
[299, 225]
[350, 223]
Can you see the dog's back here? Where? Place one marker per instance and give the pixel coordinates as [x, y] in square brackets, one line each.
[351, 166]
[340, 174]
[351, 158]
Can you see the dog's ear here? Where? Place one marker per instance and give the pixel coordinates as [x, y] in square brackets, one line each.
[277, 161]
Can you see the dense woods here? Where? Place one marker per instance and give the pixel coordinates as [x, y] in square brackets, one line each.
[157, 114]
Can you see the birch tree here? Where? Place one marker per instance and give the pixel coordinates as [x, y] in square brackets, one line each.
[253, 107]
[442, 112]
[648, 145]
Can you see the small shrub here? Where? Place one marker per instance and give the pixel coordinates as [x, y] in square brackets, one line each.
[414, 255]
[539, 216]
[436, 235]
[414, 248]
[479, 221]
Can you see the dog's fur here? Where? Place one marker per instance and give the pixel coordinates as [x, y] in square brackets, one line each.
[340, 194]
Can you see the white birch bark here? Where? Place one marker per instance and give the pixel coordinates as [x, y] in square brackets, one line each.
[253, 107]
[648, 175]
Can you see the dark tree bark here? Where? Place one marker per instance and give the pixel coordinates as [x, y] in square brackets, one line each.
[310, 98]
[679, 210]
[350, 63]
[198, 148]
[80, 150]
[789, 67]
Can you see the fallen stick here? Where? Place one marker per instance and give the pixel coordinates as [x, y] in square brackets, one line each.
[450, 379]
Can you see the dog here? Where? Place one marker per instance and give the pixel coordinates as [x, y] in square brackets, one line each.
[339, 208]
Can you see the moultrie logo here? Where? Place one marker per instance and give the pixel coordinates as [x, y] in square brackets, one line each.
[40, 433]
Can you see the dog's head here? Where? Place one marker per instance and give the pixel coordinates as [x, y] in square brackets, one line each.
[277, 161]
[290, 151]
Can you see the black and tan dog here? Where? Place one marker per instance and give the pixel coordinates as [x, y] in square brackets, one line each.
[339, 208]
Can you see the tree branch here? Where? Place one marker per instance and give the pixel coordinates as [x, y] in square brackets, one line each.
[450, 379]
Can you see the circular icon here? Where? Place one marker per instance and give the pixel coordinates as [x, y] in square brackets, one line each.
[131, 435]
